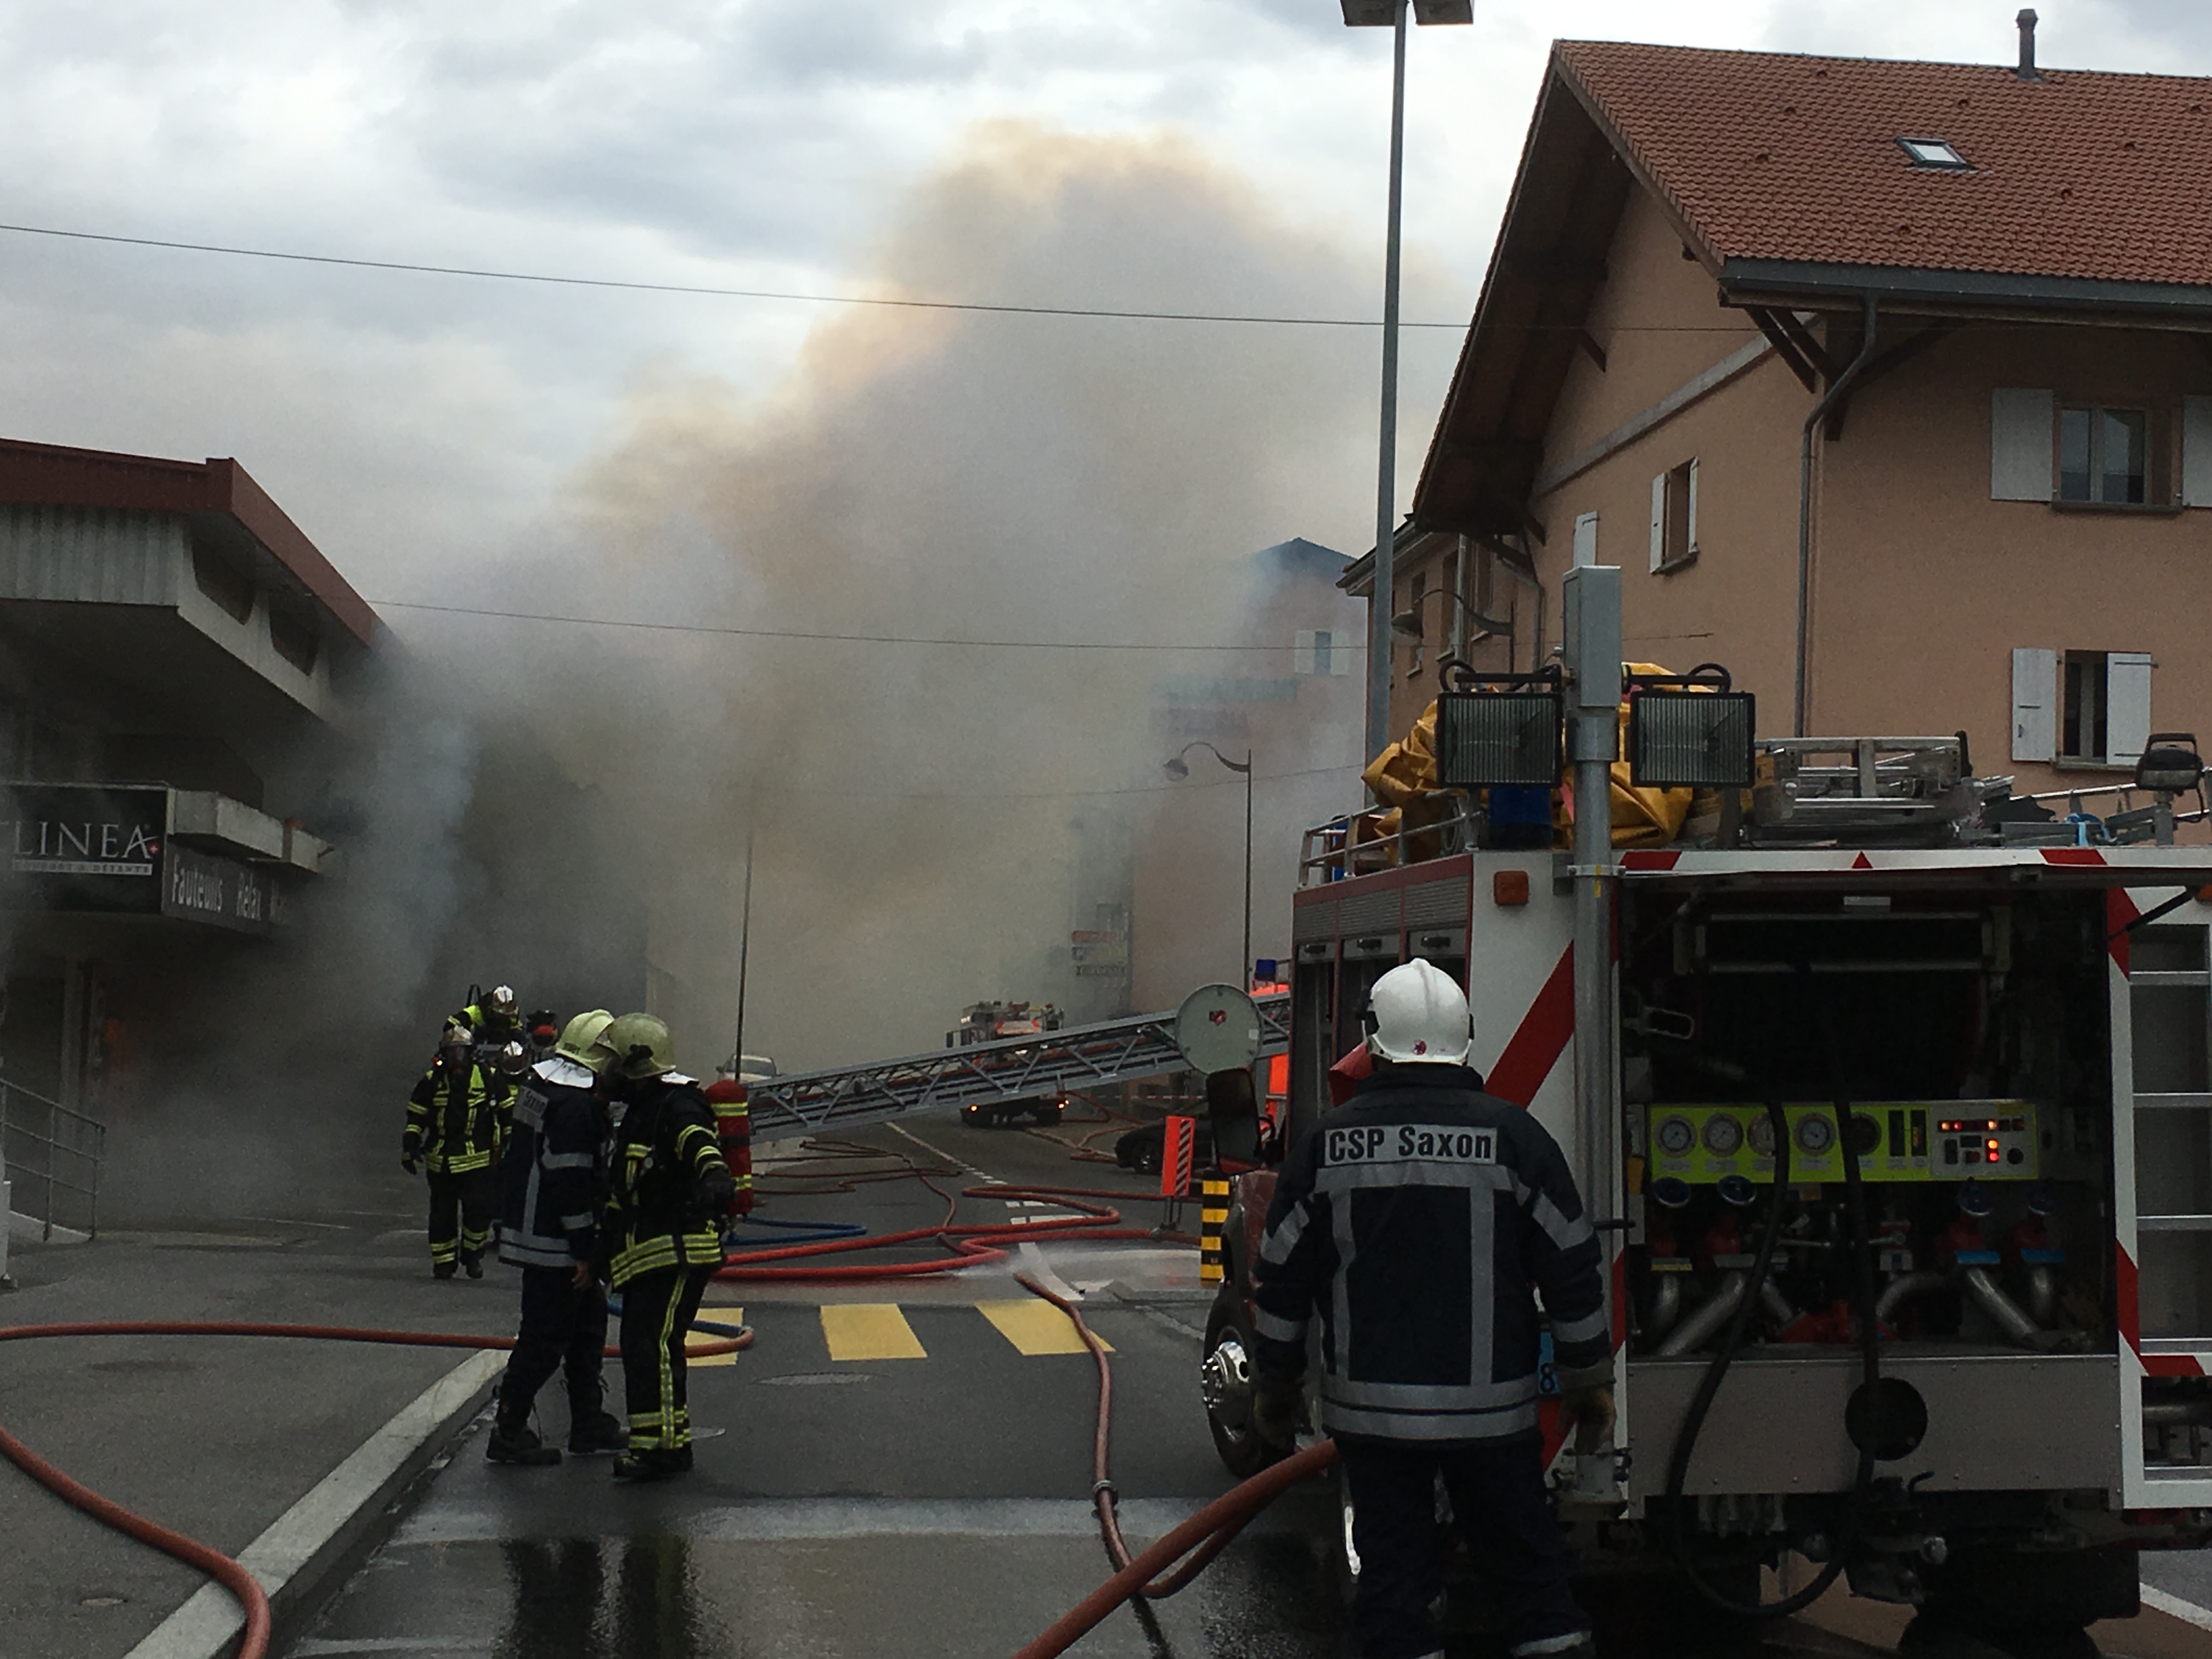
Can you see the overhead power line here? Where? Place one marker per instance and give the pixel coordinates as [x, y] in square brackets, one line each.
[846, 639]
[552, 279]
[556, 280]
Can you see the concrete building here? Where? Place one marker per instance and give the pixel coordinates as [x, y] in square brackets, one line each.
[1958, 316]
[176, 664]
[1295, 707]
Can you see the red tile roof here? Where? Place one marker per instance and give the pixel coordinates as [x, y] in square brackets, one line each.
[1769, 156]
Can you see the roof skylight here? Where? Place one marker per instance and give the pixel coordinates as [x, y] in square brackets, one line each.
[1935, 152]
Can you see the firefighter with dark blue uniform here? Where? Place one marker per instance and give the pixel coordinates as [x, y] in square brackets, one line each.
[455, 1125]
[670, 1191]
[553, 1185]
[1418, 1220]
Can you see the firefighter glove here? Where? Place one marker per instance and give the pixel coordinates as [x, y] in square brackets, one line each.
[1278, 1410]
[1589, 1411]
[407, 1162]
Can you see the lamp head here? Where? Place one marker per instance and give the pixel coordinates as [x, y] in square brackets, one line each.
[1178, 768]
[1406, 625]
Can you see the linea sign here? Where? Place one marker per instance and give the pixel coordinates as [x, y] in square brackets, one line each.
[86, 847]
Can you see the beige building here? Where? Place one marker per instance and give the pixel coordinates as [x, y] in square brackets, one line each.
[1890, 384]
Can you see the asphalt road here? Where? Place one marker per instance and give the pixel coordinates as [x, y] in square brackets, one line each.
[925, 1494]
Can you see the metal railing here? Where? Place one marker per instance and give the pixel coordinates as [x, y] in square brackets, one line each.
[51, 1155]
[1012, 1069]
[1352, 844]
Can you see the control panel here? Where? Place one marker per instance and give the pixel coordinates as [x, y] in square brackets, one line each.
[1899, 1141]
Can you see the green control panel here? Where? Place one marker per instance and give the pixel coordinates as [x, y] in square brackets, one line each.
[1907, 1140]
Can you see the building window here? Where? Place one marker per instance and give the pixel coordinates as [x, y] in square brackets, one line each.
[1940, 154]
[293, 636]
[2104, 456]
[1419, 590]
[231, 588]
[2104, 709]
[1319, 651]
[1674, 518]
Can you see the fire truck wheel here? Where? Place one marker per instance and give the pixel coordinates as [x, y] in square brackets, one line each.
[1225, 1384]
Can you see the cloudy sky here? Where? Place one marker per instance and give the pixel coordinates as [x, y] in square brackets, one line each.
[423, 426]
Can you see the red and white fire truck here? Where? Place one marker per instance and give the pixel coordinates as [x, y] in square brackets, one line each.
[1975, 1371]
[997, 1022]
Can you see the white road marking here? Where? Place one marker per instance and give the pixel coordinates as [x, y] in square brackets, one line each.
[203, 1626]
[2174, 1607]
[802, 1519]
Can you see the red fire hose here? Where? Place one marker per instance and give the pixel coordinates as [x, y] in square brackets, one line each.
[221, 1567]
[1200, 1538]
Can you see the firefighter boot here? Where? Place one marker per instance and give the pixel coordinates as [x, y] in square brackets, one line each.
[514, 1441]
[655, 1464]
[472, 1263]
[441, 1270]
[591, 1427]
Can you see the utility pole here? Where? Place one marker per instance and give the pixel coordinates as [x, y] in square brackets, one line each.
[744, 950]
[1385, 601]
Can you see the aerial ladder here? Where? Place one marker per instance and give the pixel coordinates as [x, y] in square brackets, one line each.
[1010, 1069]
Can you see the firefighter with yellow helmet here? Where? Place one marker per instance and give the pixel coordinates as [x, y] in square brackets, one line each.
[670, 1190]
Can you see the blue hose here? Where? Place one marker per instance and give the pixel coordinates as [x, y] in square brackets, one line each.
[799, 1232]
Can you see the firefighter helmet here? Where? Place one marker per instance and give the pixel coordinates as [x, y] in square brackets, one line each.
[580, 1039]
[1418, 1015]
[638, 1047]
[511, 1060]
[456, 1035]
[501, 1004]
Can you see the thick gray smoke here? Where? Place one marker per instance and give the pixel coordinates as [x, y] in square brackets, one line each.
[553, 805]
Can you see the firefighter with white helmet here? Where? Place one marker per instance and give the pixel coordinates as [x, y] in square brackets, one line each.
[1417, 1220]
[553, 1182]
[663, 1236]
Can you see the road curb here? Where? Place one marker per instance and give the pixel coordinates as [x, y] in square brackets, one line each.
[314, 1541]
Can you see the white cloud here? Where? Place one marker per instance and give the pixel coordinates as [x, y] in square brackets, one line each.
[411, 419]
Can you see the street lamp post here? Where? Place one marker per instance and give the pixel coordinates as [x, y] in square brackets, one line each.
[1391, 14]
[1179, 768]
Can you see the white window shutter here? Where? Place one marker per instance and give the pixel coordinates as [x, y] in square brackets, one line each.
[2127, 705]
[1586, 539]
[1304, 657]
[2034, 695]
[2197, 452]
[2022, 427]
[1339, 657]
[1690, 550]
[1658, 521]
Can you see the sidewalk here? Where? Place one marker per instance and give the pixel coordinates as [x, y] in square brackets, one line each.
[215, 1436]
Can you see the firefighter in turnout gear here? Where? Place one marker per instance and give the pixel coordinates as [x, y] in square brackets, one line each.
[1414, 1219]
[553, 1182]
[492, 1018]
[663, 1234]
[455, 1126]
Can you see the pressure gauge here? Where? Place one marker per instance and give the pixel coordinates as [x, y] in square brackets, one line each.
[1675, 1136]
[1762, 1135]
[1723, 1135]
[1815, 1134]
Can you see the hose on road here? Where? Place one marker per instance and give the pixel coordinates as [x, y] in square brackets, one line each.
[223, 1569]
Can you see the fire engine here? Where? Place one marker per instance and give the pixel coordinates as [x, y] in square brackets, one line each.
[1890, 1095]
[995, 1022]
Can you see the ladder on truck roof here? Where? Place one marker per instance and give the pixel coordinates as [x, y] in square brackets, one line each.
[1012, 1068]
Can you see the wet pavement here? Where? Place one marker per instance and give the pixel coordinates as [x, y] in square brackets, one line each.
[928, 1494]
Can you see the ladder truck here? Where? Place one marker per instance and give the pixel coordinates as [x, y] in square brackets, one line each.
[1962, 1347]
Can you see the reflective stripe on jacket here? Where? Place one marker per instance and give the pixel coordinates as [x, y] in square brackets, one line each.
[670, 1185]
[1415, 1220]
[553, 1178]
[454, 1136]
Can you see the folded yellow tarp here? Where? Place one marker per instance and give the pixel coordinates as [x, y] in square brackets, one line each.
[1407, 770]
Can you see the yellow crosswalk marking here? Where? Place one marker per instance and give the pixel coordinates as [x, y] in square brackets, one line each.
[869, 1330]
[693, 1340]
[1034, 1326]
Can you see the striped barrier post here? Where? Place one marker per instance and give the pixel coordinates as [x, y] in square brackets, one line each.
[1213, 1217]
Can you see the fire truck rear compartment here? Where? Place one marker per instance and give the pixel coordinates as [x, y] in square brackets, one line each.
[1969, 1030]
